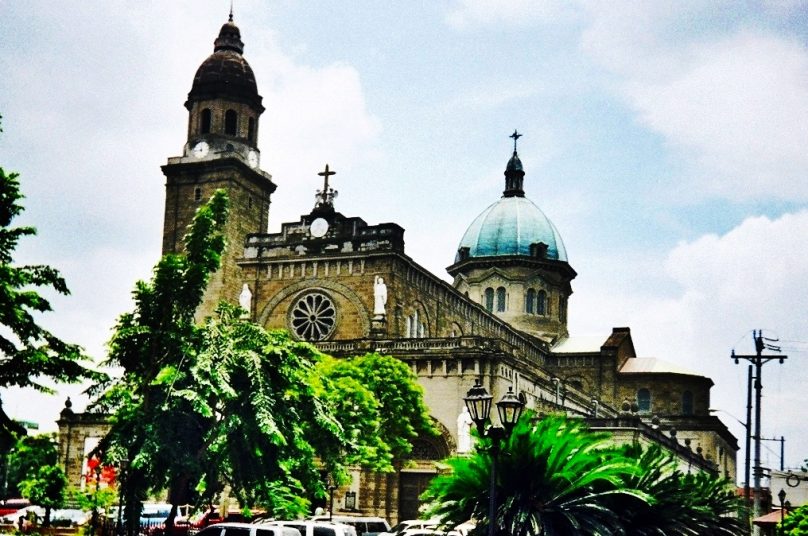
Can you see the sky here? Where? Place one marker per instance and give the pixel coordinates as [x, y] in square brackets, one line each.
[665, 140]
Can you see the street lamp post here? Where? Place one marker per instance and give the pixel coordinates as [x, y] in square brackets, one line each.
[123, 466]
[331, 488]
[782, 497]
[478, 402]
[95, 498]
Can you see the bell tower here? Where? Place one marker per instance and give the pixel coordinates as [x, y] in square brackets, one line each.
[221, 151]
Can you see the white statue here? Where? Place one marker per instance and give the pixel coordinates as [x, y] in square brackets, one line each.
[380, 296]
[245, 299]
[464, 423]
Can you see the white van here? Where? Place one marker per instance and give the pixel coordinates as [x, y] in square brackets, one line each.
[317, 528]
[364, 525]
[247, 529]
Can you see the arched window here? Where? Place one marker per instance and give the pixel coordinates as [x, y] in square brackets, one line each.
[687, 403]
[501, 300]
[251, 129]
[204, 124]
[414, 328]
[644, 400]
[530, 299]
[541, 304]
[489, 299]
[230, 122]
[562, 309]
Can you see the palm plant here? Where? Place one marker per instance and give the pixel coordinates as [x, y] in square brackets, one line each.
[683, 504]
[555, 477]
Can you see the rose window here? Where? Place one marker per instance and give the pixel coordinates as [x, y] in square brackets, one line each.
[313, 317]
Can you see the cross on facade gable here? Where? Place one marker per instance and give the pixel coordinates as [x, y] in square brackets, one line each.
[326, 173]
[325, 197]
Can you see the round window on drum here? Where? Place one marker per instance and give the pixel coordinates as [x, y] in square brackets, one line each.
[313, 317]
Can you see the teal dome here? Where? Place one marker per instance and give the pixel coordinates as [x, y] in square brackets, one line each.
[509, 227]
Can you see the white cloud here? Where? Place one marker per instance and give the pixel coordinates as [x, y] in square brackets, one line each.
[739, 110]
[469, 13]
[732, 101]
[314, 116]
[725, 285]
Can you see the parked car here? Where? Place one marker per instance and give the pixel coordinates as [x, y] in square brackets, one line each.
[29, 513]
[185, 525]
[9, 506]
[317, 528]
[411, 524]
[247, 529]
[365, 526]
[70, 517]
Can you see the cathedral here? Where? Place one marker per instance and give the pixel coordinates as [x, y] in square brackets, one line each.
[349, 287]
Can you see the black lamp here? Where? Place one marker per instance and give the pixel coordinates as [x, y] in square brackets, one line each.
[510, 409]
[478, 402]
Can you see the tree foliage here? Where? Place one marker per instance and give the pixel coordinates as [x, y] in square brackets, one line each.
[30, 353]
[557, 478]
[554, 478]
[33, 472]
[26, 457]
[266, 424]
[150, 427]
[696, 503]
[796, 522]
[226, 402]
[46, 487]
[379, 402]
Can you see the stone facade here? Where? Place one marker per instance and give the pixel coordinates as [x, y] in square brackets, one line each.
[79, 433]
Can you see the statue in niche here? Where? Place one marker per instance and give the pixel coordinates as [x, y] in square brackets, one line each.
[464, 423]
[379, 296]
[245, 300]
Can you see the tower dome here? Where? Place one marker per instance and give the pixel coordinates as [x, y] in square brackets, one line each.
[510, 227]
[225, 73]
[514, 225]
[512, 261]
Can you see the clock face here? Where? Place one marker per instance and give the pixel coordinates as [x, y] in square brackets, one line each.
[200, 150]
[252, 159]
[318, 228]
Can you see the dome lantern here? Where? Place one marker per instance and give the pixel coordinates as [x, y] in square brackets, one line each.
[514, 174]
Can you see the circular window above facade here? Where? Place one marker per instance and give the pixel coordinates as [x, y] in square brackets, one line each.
[313, 317]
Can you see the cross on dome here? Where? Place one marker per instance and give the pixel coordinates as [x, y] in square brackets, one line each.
[515, 137]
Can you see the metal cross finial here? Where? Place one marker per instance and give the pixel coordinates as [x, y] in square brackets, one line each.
[515, 137]
[231, 11]
[327, 173]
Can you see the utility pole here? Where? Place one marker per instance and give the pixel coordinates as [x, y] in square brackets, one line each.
[758, 360]
[782, 441]
[748, 445]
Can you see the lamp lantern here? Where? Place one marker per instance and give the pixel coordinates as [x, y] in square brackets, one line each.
[510, 409]
[478, 402]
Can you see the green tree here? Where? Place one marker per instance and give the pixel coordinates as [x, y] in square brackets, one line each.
[30, 352]
[554, 478]
[199, 406]
[152, 429]
[26, 457]
[47, 487]
[267, 426]
[796, 522]
[380, 404]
